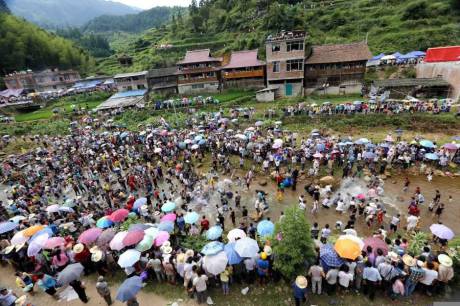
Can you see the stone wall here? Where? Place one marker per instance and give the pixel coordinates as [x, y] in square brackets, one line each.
[198, 88]
[449, 71]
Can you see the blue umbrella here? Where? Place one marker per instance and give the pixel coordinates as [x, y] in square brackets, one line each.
[426, 143]
[104, 222]
[370, 145]
[368, 155]
[233, 257]
[431, 156]
[456, 138]
[320, 147]
[348, 143]
[129, 288]
[168, 206]
[182, 145]
[138, 227]
[212, 248]
[214, 233]
[166, 226]
[191, 217]
[7, 226]
[202, 142]
[198, 138]
[362, 141]
[384, 145]
[329, 256]
[342, 143]
[47, 230]
[265, 228]
[124, 135]
[139, 202]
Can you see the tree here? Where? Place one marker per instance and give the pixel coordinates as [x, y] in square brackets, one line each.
[296, 246]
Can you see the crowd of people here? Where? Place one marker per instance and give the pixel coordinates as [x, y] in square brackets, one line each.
[85, 187]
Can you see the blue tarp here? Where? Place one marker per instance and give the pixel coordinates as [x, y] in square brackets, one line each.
[131, 93]
[397, 55]
[86, 85]
[377, 57]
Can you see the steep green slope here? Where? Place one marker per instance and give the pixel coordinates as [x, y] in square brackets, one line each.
[60, 13]
[222, 25]
[26, 46]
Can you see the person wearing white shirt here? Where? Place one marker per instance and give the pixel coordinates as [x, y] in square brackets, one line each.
[199, 283]
[431, 275]
[345, 277]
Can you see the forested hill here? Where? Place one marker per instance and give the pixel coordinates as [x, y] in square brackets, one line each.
[26, 46]
[62, 13]
[3, 7]
[133, 23]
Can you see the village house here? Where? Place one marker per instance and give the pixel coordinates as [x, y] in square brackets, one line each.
[336, 69]
[198, 72]
[47, 80]
[243, 70]
[131, 81]
[163, 81]
[285, 63]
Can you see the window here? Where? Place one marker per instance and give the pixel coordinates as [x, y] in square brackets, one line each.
[294, 65]
[276, 66]
[141, 86]
[130, 88]
[276, 48]
[294, 46]
[198, 86]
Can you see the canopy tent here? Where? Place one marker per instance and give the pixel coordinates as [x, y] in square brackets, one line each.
[11, 93]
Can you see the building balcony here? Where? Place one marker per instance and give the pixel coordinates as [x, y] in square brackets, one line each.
[243, 74]
[325, 72]
[163, 84]
[198, 80]
[197, 70]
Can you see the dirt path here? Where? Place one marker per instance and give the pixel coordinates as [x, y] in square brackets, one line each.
[40, 298]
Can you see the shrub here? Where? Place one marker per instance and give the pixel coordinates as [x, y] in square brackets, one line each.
[416, 10]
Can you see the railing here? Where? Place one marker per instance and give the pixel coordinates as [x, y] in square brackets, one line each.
[320, 72]
[199, 80]
[243, 74]
[197, 70]
[163, 84]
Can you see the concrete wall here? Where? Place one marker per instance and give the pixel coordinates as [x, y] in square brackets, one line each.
[449, 71]
[297, 88]
[265, 96]
[336, 90]
[196, 88]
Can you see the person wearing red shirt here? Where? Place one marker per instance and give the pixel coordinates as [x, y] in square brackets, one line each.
[204, 225]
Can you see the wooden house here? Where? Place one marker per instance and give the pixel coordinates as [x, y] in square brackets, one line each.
[243, 70]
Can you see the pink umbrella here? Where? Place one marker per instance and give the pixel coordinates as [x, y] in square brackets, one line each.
[90, 235]
[119, 215]
[376, 243]
[105, 237]
[54, 242]
[161, 238]
[169, 217]
[361, 196]
[450, 146]
[133, 237]
[317, 155]
[117, 242]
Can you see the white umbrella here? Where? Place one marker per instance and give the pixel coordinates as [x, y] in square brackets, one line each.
[215, 264]
[246, 247]
[129, 258]
[18, 238]
[117, 241]
[52, 208]
[157, 150]
[17, 219]
[152, 231]
[235, 234]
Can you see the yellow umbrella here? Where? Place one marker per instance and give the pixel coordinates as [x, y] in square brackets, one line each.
[347, 248]
[32, 230]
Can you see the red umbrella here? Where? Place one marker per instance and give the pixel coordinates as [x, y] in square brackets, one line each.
[90, 235]
[376, 243]
[133, 237]
[54, 242]
[119, 215]
[361, 196]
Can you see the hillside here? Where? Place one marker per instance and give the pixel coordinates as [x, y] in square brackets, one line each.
[26, 46]
[133, 23]
[61, 13]
[391, 25]
[3, 7]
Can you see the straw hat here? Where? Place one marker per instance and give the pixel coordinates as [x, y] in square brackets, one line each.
[189, 253]
[10, 248]
[268, 250]
[94, 249]
[78, 248]
[445, 260]
[301, 282]
[181, 258]
[393, 256]
[166, 244]
[20, 301]
[166, 250]
[409, 260]
[96, 256]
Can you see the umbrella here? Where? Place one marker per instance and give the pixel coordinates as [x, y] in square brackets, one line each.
[7, 226]
[152, 232]
[317, 155]
[69, 203]
[129, 258]
[442, 231]
[169, 217]
[362, 141]
[329, 256]
[32, 230]
[354, 238]
[376, 243]
[232, 255]
[69, 274]
[90, 235]
[161, 238]
[450, 146]
[214, 233]
[166, 226]
[347, 248]
[117, 241]
[129, 288]
[235, 234]
[105, 237]
[145, 244]
[15, 219]
[54, 242]
[139, 202]
[33, 249]
[431, 156]
[19, 238]
[191, 217]
[168, 206]
[194, 147]
[138, 227]
[119, 215]
[66, 209]
[426, 143]
[368, 155]
[246, 247]
[215, 264]
[265, 228]
[53, 208]
[361, 196]
[457, 138]
[133, 237]
[104, 222]
[212, 248]
[258, 123]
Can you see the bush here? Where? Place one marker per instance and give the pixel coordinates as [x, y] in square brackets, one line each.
[416, 10]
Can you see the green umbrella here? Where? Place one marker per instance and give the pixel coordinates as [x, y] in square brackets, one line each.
[145, 244]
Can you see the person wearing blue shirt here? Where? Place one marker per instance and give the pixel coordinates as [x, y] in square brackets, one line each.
[7, 297]
[299, 288]
[262, 267]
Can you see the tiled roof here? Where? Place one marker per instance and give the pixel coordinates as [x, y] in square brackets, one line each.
[130, 74]
[242, 59]
[198, 56]
[339, 53]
